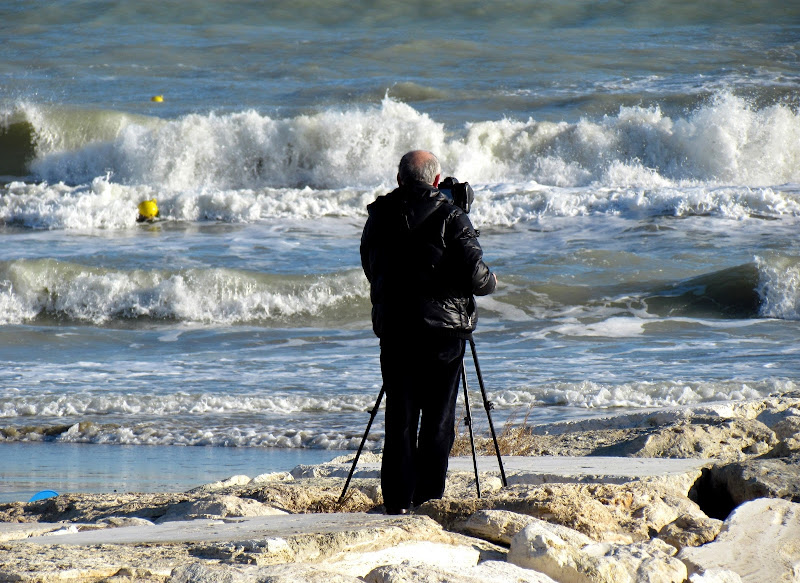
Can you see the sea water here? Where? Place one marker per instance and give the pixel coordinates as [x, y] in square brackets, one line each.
[637, 177]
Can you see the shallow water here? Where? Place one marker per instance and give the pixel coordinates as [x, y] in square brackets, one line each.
[33, 467]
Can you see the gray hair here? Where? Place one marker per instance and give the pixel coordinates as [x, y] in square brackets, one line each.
[419, 165]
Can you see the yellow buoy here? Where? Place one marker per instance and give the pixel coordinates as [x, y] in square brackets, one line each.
[148, 210]
[157, 98]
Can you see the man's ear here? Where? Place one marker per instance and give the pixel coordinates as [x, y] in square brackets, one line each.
[399, 182]
[436, 180]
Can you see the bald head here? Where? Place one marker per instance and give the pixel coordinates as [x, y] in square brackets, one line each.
[421, 166]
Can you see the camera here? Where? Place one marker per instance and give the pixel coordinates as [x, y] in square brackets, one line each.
[458, 193]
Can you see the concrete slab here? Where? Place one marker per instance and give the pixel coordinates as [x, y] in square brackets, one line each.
[550, 469]
[10, 531]
[559, 469]
[229, 530]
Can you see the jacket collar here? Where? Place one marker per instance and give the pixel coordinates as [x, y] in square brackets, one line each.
[417, 201]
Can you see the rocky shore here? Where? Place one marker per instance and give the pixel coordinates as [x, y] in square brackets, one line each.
[705, 494]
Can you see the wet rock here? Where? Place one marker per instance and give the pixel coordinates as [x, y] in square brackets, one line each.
[760, 541]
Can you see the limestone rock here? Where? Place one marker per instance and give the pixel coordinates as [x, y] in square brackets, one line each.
[619, 513]
[787, 431]
[646, 562]
[760, 541]
[733, 439]
[14, 531]
[504, 572]
[210, 573]
[760, 478]
[348, 544]
[123, 521]
[239, 480]
[772, 411]
[315, 538]
[716, 576]
[460, 484]
[501, 526]
[572, 559]
[65, 563]
[88, 508]
[434, 555]
[315, 495]
[219, 507]
[487, 572]
[788, 427]
[272, 477]
[690, 531]
[340, 467]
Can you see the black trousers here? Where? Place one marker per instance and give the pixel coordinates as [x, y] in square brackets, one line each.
[421, 375]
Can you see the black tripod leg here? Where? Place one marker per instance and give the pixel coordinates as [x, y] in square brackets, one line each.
[488, 406]
[468, 421]
[363, 440]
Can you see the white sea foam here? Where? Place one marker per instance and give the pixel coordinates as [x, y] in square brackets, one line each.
[332, 149]
[238, 421]
[779, 287]
[642, 394]
[608, 328]
[219, 296]
[725, 157]
[87, 403]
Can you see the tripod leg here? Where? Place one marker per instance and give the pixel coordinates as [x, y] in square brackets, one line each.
[488, 406]
[360, 447]
[468, 421]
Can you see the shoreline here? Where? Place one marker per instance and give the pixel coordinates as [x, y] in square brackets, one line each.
[678, 487]
[66, 467]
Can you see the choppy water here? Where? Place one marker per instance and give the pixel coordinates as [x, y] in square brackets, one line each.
[637, 178]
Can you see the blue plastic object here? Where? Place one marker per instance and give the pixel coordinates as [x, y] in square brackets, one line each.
[43, 495]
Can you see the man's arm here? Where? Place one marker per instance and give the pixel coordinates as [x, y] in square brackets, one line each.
[482, 281]
[365, 262]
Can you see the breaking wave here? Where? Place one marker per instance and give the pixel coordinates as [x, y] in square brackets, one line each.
[90, 169]
[45, 288]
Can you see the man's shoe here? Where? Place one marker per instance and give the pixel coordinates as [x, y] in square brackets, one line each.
[395, 511]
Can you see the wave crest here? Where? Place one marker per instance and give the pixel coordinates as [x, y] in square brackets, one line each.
[725, 141]
[46, 288]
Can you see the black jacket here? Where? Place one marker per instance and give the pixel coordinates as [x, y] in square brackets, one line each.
[422, 258]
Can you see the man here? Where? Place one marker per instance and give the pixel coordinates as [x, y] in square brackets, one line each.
[422, 258]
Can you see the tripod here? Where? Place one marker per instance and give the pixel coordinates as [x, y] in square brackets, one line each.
[487, 405]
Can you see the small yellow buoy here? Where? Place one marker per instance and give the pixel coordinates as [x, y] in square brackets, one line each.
[148, 210]
[157, 98]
